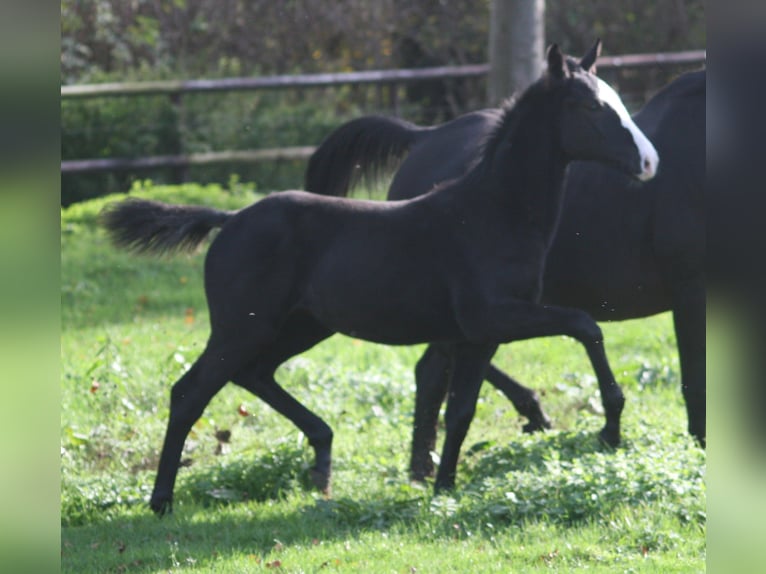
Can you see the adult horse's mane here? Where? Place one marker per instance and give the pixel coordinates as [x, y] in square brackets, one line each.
[507, 120]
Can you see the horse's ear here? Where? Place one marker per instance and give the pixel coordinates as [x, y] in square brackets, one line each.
[588, 62]
[556, 67]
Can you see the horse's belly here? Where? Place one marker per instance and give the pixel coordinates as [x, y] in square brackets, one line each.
[381, 323]
[399, 316]
[610, 296]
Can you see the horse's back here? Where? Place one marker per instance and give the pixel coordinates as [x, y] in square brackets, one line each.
[673, 103]
[446, 152]
[332, 258]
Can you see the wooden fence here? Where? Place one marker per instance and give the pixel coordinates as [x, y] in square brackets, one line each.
[175, 89]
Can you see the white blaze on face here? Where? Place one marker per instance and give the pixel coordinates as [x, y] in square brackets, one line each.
[649, 157]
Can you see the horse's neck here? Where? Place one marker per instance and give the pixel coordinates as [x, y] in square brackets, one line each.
[525, 176]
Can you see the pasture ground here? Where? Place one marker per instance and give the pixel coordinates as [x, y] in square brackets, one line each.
[557, 501]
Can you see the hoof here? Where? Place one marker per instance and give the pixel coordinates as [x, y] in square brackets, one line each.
[161, 506]
[536, 424]
[418, 476]
[321, 480]
[531, 409]
[443, 488]
[699, 438]
[419, 473]
[609, 437]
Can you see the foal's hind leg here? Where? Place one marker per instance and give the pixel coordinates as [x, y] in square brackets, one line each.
[188, 399]
[297, 335]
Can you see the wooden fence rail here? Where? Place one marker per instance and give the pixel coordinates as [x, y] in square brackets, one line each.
[176, 88]
[183, 160]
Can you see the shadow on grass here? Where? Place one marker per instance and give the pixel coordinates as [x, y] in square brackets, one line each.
[200, 536]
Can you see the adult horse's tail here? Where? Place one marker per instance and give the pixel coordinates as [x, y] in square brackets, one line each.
[360, 150]
[145, 226]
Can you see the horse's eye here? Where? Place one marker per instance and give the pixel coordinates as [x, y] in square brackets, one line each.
[592, 106]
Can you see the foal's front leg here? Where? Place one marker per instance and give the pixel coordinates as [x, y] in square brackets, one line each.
[470, 364]
[514, 320]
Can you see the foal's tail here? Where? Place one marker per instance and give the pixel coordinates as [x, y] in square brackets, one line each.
[360, 150]
[145, 226]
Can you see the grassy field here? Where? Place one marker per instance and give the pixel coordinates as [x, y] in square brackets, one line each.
[555, 502]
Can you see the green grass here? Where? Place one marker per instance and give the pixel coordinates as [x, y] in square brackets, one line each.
[557, 501]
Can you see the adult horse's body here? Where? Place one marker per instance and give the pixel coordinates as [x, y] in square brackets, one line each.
[619, 252]
[460, 266]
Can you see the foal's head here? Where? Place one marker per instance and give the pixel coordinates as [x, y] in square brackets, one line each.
[594, 124]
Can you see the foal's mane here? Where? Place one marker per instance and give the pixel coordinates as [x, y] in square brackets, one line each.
[510, 113]
[511, 110]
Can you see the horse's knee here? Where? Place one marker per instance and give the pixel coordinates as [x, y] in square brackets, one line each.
[322, 437]
[587, 330]
[185, 407]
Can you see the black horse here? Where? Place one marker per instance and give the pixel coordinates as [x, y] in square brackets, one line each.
[460, 266]
[619, 253]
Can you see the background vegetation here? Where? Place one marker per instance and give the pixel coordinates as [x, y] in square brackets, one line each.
[111, 40]
[556, 502]
[130, 326]
[190, 38]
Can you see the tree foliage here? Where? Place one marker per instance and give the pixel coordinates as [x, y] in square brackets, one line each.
[190, 38]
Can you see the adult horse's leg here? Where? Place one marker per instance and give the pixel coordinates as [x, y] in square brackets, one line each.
[299, 334]
[188, 399]
[689, 322]
[470, 365]
[524, 399]
[517, 320]
[432, 377]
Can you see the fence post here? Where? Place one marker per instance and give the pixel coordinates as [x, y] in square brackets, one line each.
[516, 46]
